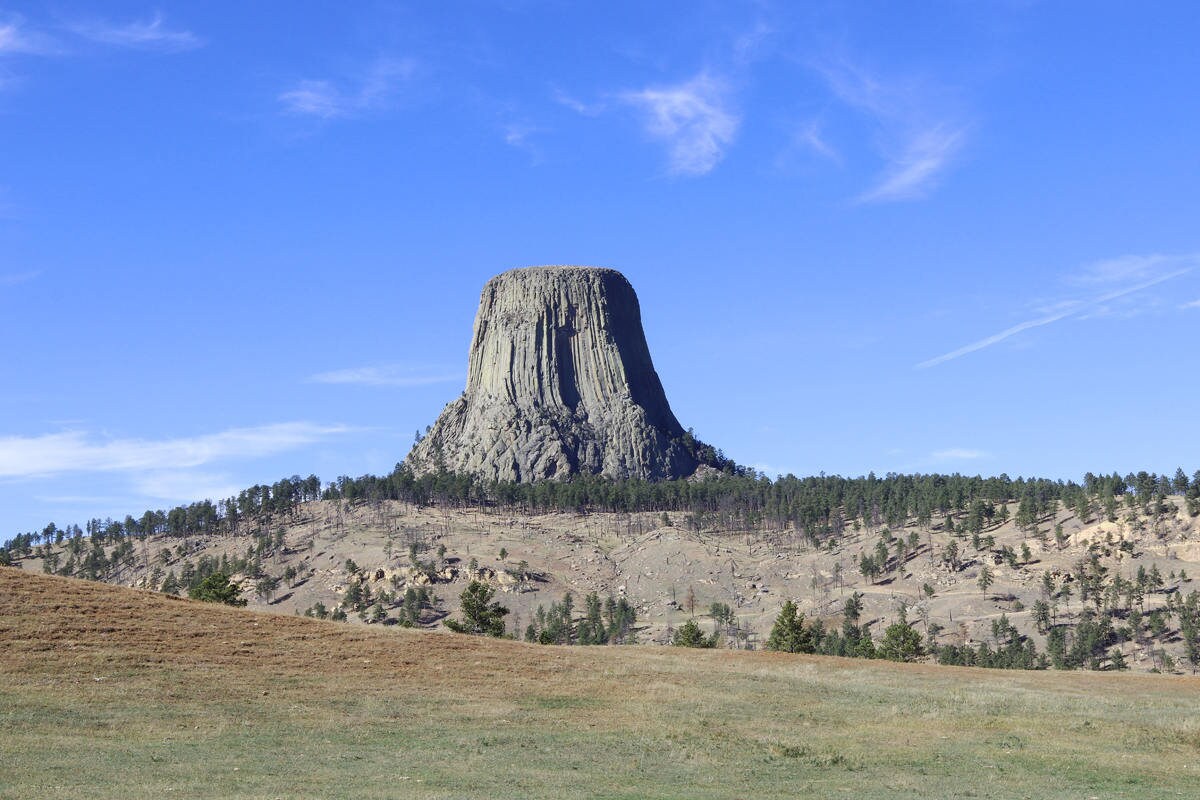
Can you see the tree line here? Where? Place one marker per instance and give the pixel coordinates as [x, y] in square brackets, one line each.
[818, 508]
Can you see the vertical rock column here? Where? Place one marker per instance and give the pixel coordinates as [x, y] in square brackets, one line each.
[559, 382]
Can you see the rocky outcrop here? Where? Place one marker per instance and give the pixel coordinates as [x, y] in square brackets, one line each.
[559, 382]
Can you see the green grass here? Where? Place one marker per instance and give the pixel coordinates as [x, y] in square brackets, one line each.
[126, 695]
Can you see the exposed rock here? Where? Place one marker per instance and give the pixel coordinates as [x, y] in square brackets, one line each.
[559, 382]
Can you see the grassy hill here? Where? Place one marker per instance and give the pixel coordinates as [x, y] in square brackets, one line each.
[671, 566]
[112, 692]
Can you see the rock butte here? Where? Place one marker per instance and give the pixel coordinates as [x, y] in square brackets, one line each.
[559, 382]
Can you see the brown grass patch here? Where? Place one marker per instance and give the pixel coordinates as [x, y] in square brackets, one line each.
[110, 692]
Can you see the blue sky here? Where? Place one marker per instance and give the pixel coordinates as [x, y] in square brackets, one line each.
[242, 241]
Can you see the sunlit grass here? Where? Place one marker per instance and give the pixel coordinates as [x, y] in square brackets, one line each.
[106, 692]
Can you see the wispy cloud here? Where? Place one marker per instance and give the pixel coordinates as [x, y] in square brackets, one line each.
[384, 375]
[993, 339]
[914, 171]
[55, 453]
[12, 40]
[186, 486]
[694, 120]
[151, 34]
[957, 454]
[1129, 268]
[77, 499]
[317, 98]
[14, 278]
[1080, 308]
[917, 142]
[772, 469]
[749, 45]
[521, 136]
[174, 486]
[16, 39]
[517, 134]
[1193, 304]
[811, 137]
[577, 105]
[369, 92]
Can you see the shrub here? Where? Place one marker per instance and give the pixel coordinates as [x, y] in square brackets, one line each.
[480, 616]
[689, 635]
[216, 588]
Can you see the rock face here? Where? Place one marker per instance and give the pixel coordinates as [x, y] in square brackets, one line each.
[559, 382]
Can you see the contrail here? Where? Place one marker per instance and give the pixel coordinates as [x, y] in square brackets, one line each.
[1040, 321]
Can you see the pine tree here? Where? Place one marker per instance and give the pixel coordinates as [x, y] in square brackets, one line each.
[1041, 616]
[789, 635]
[855, 640]
[1180, 484]
[901, 642]
[591, 628]
[1189, 627]
[986, 578]
[1056, 647]
[950, 555]
[481, 617]
[620, 618]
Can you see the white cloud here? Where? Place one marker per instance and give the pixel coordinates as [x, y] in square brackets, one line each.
[957, 454]
[1193, 304]
[772, 469]
[12, 40]
[385, 375]
[810, 137]
[13, 278]
[749, 45]
[692, 118]
[916, 142]
[1129, 268]
[520, 135]
[318, 98]
[368, 92]
[74, 451]
[578, 106]
[174, 486]
[912, 173]
[183, 486]
[15, 39]
[1087, 307]
[77, 499]
[516, 134]
[149, 35]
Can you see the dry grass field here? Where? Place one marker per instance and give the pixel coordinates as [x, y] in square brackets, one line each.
[111, 692]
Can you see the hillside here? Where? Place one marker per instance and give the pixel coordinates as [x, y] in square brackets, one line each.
[1132, 565]
[111, 692]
